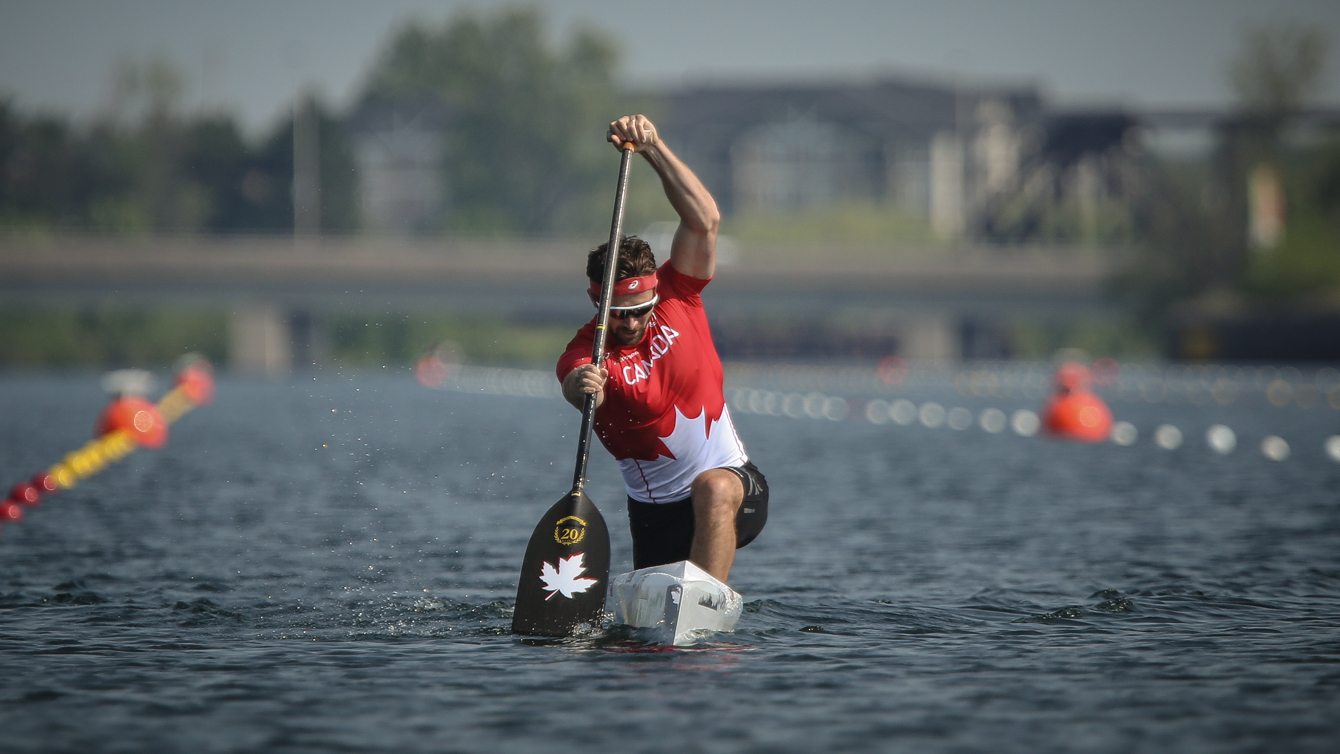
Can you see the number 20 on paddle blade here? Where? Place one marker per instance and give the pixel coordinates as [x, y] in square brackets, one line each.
[564, 573]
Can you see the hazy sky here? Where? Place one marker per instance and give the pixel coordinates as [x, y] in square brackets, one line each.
[250, 55]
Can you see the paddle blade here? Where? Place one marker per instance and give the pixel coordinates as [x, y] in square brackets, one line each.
[564, 573]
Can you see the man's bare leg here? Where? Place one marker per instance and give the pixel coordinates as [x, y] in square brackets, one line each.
[717, 496]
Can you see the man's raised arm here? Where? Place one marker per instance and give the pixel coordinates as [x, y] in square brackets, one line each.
[694, 250]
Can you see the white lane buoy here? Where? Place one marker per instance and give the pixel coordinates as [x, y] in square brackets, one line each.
[835, 409]
[814, 405]
[960, 418]
[877, 411]
[755, 401]
[1168, 437]
[1333, 447]
[1221, 439]
[932, 415]
[992, 420]
[1124, 433]
[739, 400]
[1025, 423]
[793, 405]
[903, 411]
[1275, 448]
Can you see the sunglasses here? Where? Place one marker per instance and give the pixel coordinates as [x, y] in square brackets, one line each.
[641, 310]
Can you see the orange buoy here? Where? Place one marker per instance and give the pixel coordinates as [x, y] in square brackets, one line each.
[139, 418]
[1073, 412]
[892, 370]
[431, 371]
[197, 382]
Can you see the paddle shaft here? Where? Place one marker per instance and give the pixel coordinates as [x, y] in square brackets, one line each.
[603, 317]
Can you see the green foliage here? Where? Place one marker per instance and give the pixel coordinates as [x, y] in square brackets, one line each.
[106, 337]
[1096, 336]
[1024, 219]
[270, 172]
[524, 149]
[1193, 232]
[360, 340]
[1187, 241]
[1307, 261]
[856, 223]
[147, 169]
[1278, 68]
[45, 174]
[1326, 183]
[1192, 219]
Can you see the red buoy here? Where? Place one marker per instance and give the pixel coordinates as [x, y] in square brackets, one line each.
[1073, 412]
[45, 483]
[136, 416]
[892, 370]
[11, 512]
[197, 382]
[25, 493]
[431, 371]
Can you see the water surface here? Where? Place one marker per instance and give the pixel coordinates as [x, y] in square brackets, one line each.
[328, 564]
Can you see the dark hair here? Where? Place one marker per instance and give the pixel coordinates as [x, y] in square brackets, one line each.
[635, 260]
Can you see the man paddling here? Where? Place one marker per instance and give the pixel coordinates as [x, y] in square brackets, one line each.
[693, 494]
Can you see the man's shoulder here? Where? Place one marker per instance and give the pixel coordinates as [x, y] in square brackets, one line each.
[578, 350]
[675, 284]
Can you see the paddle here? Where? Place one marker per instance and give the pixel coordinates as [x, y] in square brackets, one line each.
[567, 562]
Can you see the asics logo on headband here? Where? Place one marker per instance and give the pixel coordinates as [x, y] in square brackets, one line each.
[627, 285]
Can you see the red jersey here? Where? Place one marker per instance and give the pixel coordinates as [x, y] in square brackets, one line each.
[664, 418]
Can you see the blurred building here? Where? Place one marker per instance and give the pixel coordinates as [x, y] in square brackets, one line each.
[936, 151]
[398, 150]
[955, 156]
[952, 155]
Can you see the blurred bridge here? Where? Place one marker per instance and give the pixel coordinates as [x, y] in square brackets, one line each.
[934, 304]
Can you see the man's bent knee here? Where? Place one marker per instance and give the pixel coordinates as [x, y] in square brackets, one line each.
[717, 493]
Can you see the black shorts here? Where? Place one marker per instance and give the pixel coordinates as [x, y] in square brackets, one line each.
[663, 532]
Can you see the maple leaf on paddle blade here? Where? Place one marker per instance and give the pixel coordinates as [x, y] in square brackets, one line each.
[564, 581]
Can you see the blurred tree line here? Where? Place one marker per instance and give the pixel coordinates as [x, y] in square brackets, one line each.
[522, 151]
[1258, 220]
[523, 155]
[144, 167]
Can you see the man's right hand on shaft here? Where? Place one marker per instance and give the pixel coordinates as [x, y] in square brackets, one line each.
[634, 128]
[583, 381]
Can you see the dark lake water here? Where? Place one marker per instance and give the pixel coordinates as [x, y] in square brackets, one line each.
[328, 564]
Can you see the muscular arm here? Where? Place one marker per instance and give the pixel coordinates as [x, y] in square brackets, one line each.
[693, 251]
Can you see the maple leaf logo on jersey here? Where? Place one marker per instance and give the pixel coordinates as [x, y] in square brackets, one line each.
[565, 580]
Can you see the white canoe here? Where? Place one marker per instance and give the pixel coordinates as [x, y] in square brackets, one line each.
[680, 599]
